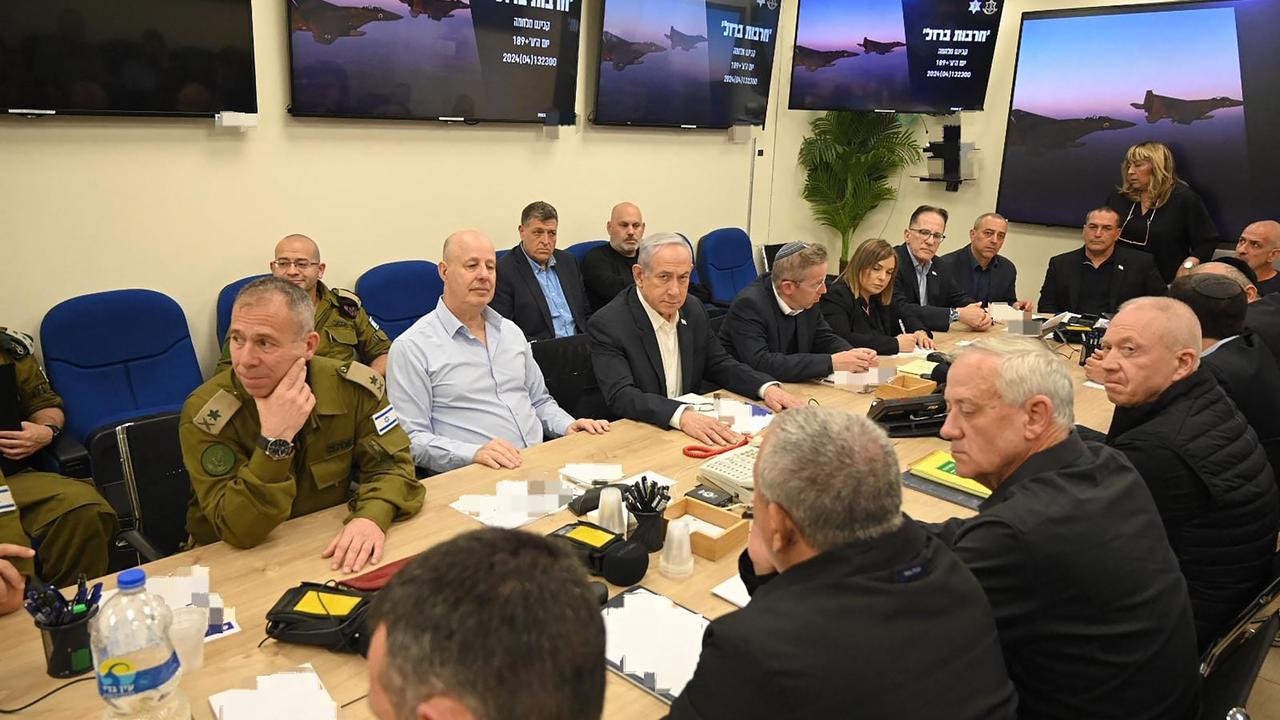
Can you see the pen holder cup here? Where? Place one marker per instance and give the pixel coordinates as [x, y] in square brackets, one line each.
[650, 530]
[66, 647]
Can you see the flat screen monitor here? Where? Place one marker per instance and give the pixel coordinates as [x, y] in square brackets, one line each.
[453, 60]
[145, 57]
[686, 63]
[1201, 77]
[918, 56]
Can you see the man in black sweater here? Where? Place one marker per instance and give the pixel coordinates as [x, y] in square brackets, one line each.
[775, 326]
[1202, 462]
[856, 611]
[1100, 276]
[606, 270]
[1092, 612]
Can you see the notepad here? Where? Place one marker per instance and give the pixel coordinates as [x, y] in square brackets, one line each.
[293, 694]
[652, 641]
[940, 467]
[919, 368]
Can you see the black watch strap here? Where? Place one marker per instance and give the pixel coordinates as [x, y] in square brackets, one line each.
[275, 448]
[54, 429]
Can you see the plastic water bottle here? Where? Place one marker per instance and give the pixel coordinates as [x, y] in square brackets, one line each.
[138, 670]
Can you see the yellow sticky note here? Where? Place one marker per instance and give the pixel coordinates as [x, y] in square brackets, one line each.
[326, 604]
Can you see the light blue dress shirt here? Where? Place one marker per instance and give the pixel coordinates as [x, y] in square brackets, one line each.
[453, 395]
[549, 281]
[922, 277]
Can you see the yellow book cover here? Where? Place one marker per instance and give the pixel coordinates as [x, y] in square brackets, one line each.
[917, 367]
[940, 467]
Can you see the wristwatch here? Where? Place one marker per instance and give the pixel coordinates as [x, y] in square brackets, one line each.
[53, 429]
[955, 314]
[1188, 264]
[275, 448]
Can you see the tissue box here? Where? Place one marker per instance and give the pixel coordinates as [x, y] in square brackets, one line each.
[711, 548]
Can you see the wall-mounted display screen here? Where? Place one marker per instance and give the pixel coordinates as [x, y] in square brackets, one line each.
[1206, 83]
[926, 56]
[686, 63]
[473, 60]
[147, 57]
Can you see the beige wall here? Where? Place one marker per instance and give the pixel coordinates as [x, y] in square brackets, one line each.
[91, 204]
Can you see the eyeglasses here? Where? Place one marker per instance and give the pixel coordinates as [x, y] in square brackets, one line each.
[924, 234]
[285, 264]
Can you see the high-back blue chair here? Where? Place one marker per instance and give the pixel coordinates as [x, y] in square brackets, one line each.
[580, 250]
[396, 294]
[227, 298]
[725, 263]
[117, 356]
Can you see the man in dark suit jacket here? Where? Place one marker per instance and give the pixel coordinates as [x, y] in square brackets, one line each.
[540, 288]
[1241, 363]
[654, 343]
[775, 326]
[1092, 611]
[923, 286]
[1099, 277]
[841, 577]
[979, 270]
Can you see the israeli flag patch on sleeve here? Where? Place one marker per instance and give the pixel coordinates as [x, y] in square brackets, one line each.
[385, 419]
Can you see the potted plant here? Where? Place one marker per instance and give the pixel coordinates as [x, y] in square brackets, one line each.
[849, 160]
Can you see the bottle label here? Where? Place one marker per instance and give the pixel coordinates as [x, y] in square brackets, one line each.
[119, 678]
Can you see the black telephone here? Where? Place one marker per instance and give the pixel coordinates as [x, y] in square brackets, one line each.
[910, 417]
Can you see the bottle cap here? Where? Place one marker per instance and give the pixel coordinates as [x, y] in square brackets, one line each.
[131, 578]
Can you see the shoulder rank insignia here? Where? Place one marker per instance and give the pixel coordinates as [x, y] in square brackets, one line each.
[214, 415]
[364, 376]
[348, 302]
[18, 344]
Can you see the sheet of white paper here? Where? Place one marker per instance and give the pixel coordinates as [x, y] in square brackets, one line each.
[516, 502]
[585, 473]
[733, 590]
[743, 417]
[651, 637]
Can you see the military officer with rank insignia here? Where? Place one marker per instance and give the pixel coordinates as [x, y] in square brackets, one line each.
[286, 432]
[346, 330]
[70, 522]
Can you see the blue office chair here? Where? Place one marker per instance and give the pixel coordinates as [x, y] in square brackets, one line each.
[396, 294]
[227, 298]
[725, 263]
[117, 356]
[501, 253]
[581, 249]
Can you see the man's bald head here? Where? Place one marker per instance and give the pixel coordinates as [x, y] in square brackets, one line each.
[1152, 343]
[468, 269]
[1269, 229]
[625, 228]
[1215, 267]
[297, 260]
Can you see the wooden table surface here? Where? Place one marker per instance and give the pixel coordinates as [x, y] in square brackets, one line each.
[252, 580]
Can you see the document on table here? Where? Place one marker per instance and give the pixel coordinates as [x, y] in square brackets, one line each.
[652, 641]
[293, 694]
[516, 502]
[733, 590]
[741, 416]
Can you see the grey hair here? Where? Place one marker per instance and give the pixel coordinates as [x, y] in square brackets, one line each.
[296, 299]
[1028, 368]
[1177, 324]
[656, 241]
[793, 266]
[835, 473]
[978, 223]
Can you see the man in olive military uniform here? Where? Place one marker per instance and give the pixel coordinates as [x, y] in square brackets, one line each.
[68, 519]
[286, 432]
[346, 330]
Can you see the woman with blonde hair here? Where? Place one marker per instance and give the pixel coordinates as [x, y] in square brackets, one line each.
[1160, 213]
[859, 304]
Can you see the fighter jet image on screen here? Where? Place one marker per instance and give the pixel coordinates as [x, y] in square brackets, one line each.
[1182, 112]
[814, 60]
[327, 22]
[623, 53]
[680, 41]
[1044, 134]
[437, 10]
[879, 48]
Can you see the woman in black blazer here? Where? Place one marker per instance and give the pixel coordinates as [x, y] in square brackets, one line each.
[872, 319]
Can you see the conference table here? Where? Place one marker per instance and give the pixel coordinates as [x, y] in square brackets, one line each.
[252, 580]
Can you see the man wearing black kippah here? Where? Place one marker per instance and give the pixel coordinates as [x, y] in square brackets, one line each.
[775, 326]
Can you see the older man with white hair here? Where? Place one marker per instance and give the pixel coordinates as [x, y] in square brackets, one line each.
[848, 576]
[1092, 612]
[1200, 459]
[652, 344]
